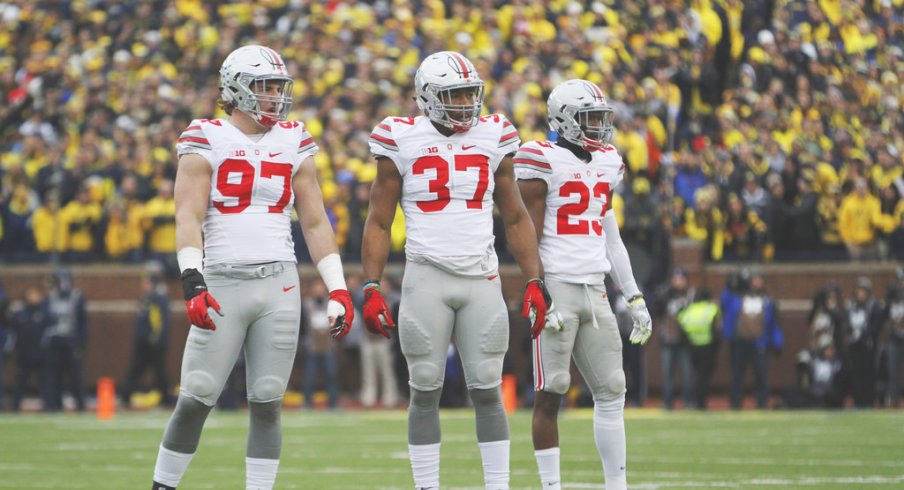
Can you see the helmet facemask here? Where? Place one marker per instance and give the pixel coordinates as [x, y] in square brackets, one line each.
[596, 128]
[457, 116]
[269, 99]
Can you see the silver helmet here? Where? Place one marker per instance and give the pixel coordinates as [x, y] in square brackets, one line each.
[254, 78]
[438, 78]
[579, 112]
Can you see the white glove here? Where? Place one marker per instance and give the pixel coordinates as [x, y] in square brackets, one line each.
[643, 324]
[554, 319]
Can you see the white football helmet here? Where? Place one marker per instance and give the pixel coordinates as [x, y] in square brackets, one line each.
[255, 79]
[438, 76]
[579, 112]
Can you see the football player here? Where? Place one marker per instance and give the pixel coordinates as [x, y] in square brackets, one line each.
[236, 184]
[447, 168]
[567, 188]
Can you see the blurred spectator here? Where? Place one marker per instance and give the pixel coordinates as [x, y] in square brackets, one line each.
[159, 225]
[705, 223]
[894, 344]
[700, 323]
[150, 338]
[858, 219]
[5, 342]
[827, 320]
[674, 350]
[80, 226]
[30, 325]
[864, 323]
[47, 227]
[66, 339]
[377, 374]
[745, 232]
[751, 327]
[320, 351]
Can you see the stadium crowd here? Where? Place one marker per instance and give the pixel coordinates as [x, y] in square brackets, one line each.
[767, 130]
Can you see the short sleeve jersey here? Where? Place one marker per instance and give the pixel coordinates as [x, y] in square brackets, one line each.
[447, 189]
[251, 197]
[573, 245]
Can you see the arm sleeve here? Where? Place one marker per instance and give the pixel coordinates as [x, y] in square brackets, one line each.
[383, 144]
[508, 137]
[193, 140]
[531, 163]
[618, 256]
[306, 145]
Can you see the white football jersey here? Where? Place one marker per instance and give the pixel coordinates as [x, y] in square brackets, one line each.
[251, 197]
[447, 189]
[573, 245]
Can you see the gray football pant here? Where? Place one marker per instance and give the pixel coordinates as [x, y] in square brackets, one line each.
[261, 309]
[438, 307]
[590, 336]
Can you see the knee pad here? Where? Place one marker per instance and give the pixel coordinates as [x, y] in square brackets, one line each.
[266, 389]
[425, 376]
[201, 386]
[488, 374]
[558, 384]
[613, 387]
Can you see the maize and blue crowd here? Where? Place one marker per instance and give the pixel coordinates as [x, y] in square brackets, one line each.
[764, 129]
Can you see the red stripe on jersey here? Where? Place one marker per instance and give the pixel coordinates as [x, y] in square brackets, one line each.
[527, 161]
[508, 136]
[531, 150]
[384, 140]
[306, 142]
[194, 140]
[538, 359]
[506, 124]
[461, 62]
[191, 128]
[384, 127]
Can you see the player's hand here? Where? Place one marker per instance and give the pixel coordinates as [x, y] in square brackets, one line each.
[554, 320]
[340, 312]
[643, 324]
[377, 317]
[537, 304]
[198, 300]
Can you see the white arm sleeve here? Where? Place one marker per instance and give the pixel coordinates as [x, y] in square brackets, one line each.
[618, 257]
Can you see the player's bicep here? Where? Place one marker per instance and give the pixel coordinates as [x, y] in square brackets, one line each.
[533, 193]
[308, 198]
[385, 193]
[192, 195]
[506, 194]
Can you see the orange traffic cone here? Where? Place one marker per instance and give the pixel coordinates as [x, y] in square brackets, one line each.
[510, 392]
[106, 398]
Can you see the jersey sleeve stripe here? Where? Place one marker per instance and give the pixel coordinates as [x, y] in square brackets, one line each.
[528, 161]
[194, 139]
[306, 142]
[513, 134]
[531, 150]
[386, 141]
[385, 127]
[506, 124]
[192, 128]
[393, 149]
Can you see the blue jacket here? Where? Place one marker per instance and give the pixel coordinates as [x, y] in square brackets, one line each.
[731, 310]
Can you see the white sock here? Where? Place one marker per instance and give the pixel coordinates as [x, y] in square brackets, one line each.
[495, 464]
[609, 432]
[260, 474]
[425, 465]
[548, 464]
[171, 466]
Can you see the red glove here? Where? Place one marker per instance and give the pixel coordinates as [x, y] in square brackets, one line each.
[536, 300]
[377, 317]
[198, 300]
[341, 313]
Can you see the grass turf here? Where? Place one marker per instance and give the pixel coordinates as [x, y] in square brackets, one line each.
[368, 450]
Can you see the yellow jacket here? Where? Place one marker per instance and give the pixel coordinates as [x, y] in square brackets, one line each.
[46, 228]
[858, 218]
[78, 221]
[159, 221]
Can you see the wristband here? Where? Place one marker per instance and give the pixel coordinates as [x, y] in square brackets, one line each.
[190, 258]
[330, 269]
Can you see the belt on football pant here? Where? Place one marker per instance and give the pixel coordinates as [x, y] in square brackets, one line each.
[255, 271]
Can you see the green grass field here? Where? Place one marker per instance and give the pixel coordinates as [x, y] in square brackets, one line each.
[367, 450]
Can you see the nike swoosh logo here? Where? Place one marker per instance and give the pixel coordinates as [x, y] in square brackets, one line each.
[275, 154]
[467, 147]
[286, 289]
[600, 174]
[492, 277]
